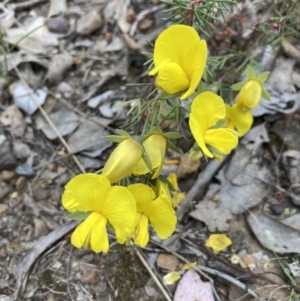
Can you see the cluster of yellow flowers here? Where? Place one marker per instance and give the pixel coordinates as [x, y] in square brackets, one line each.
[110, 198]
[251, 91]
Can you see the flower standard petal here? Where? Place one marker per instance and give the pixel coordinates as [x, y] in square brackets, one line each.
[195, 66]
[119, 208]
[122, 160]
[162, 217]
[91, 233]
[155, 146]
[208, 108]
[224, 140]
[85, 193]
[143, 195]
[180, 44]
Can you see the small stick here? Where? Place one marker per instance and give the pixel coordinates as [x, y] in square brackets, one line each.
[28, 4]
[68, 273]
[146, 265]
[141, 16]
[203, 179]
[231, 280]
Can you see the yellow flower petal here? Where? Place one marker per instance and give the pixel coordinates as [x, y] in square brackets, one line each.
[155, 146]
[196, 67]
[142, 194]
[179, 44]
[189, 265]
[171, 278]
[162, 190]
[171, 78]
[142, 237]
[122, 160]
[229, 117]
[242, 121]
[92, 234]
[159, 211]
[162, 217]
[250, 94]
[85, 192]
[207, 109]
[224, 140]
[172, 177]
[177, 198]
[120, 210]
[218, 242]
[198, 134]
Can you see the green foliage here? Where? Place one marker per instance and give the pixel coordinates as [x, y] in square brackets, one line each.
[199, 14]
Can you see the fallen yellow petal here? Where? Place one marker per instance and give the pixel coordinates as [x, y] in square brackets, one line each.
[218, 242]
[171, 278]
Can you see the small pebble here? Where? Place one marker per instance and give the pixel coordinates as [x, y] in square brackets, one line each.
[89, 23]
[21, 183]
[3, 208]
[58, 24]
[7, 175]
[277, 209]
[25, 170]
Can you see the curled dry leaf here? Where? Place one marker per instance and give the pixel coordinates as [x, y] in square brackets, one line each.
[26, 98]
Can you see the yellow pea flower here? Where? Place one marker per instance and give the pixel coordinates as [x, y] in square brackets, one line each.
[250, 94]
[179, 60]
[238, 119]
[251, 90]
[122, 160]
[107, 204]
[155, 146]
[206, 111]
[158, 211]
[218, 242]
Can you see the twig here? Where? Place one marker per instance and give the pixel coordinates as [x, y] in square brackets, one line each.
[231, 280]
[86, 292]
[146, 265]
[68, 272]
[141, 16]
[203, 179]
[263, 287]
[53, 127]
[28, 4]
